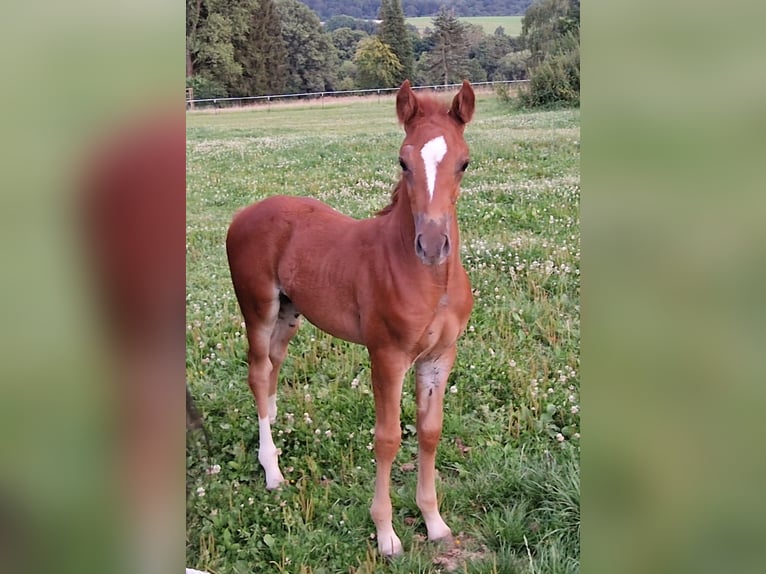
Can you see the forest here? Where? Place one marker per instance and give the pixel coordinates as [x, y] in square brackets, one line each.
[241, 48]
[368, 9]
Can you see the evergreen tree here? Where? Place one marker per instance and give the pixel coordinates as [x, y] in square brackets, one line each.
[447, 62]
[393, 32]
[262, 54]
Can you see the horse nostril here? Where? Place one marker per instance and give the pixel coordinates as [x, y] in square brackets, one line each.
[419, 249]
[446, 246]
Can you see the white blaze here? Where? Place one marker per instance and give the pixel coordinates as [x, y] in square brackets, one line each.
[432, 153]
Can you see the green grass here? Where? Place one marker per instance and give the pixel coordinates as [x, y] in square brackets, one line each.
[509, 456]
[511, 24]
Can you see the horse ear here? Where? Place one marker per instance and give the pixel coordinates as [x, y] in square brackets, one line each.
[406, 103]
[463, 104]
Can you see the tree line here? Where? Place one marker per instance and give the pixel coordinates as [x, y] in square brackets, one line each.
[262, 47]
[368, 9]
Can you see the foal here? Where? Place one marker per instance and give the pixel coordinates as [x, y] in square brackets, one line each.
[394, 283]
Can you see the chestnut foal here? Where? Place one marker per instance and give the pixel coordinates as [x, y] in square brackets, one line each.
[394, 283]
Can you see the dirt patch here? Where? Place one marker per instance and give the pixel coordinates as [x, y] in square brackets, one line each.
[459, 551]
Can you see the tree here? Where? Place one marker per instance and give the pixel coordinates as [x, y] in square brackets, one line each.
[312, 60]
[393, 32]
[551, 33]
[345, 41]
[490, 51]
[342, 21]
[512, 66]
[541, 27]
[212, 27]
[262, 53]
[376, 64]
[447, 62]
[347, 75]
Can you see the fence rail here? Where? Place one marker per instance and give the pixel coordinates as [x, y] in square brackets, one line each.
[229, 102]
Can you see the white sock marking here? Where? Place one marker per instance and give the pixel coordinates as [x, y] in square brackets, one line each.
[272, 408]
[268, 454]
[432, 153]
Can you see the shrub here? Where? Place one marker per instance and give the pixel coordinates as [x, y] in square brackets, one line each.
[557, 78]
[206, 88]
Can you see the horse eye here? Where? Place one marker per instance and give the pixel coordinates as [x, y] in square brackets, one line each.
[464, 166]
[404, 165]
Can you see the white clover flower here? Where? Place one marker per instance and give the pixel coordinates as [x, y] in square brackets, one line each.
[560, 437]
[355, 383]
[215, 469]
[453, 389]
[575, 409]
[201, 491]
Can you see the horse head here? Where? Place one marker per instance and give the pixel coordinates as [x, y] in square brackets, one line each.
[433, 157]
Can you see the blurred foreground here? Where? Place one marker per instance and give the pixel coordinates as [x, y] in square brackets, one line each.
[92, 229]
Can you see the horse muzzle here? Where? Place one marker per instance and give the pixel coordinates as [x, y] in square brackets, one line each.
[432, 242]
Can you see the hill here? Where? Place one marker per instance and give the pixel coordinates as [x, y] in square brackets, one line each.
[511, 24]
[368, 9]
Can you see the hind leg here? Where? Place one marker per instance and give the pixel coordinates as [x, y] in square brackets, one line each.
[261, 317]
[271, 323]
[288, 321]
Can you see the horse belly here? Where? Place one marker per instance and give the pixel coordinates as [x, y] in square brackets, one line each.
[326, 305]
[336, 324]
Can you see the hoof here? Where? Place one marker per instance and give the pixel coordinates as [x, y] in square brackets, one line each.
[439, 531]
[391, 547]
[274, 482]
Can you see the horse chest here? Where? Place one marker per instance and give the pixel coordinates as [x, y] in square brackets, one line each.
[442, 330]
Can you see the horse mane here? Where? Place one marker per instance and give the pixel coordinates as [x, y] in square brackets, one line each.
[394, 198]
[429, 104]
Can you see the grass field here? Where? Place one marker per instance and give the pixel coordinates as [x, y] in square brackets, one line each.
[511, 24]
[509, 455]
